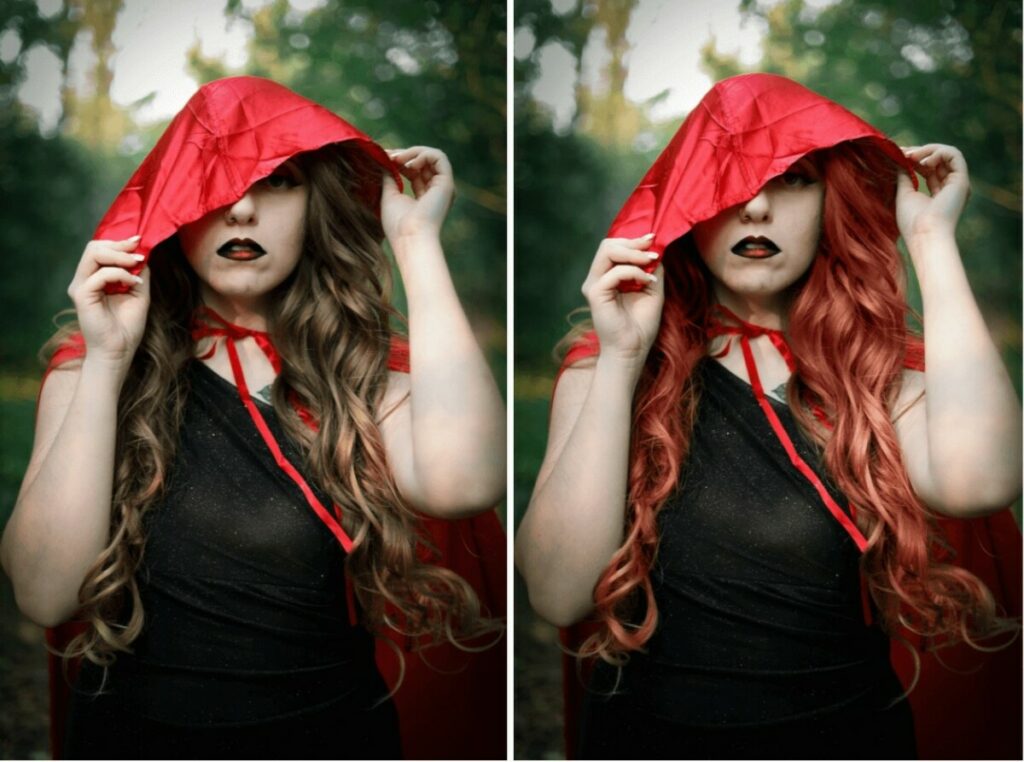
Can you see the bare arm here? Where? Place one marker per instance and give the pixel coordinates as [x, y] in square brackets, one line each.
[575, 520]
[962, 440]
[60, 522]
[446, 439]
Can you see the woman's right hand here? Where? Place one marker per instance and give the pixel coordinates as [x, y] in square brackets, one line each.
[112, 324]
[626, 322]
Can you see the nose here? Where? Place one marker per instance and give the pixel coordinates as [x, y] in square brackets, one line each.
[243, 211]
[758, 209]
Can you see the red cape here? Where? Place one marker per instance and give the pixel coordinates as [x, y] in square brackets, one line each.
[729, 146]
[230, 134]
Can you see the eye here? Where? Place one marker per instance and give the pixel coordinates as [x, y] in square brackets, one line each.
[281, 179]
[797, 177]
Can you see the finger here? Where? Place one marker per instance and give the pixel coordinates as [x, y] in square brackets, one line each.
[127, 244]
[636, 243]
[105, 257]
[904, 184]
[415, 178]
[93, 286]
[621, 255]
[614, 251]
[147, 279]
[104, 252]
[435, 158]
[388, 186]
[608, 284]
[930, 174]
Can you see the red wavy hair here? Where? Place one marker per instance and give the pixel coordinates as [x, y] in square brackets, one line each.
[848, 329]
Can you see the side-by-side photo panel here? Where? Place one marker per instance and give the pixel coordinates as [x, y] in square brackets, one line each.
[254, 476]
[767, 380]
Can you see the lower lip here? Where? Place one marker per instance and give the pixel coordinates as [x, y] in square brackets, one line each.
[242, 255]
[756, 253]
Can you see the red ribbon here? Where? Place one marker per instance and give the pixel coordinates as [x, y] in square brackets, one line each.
[747, 331]
[208, 324]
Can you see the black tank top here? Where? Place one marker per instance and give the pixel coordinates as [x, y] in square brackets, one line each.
[757, 585]
[242, 585]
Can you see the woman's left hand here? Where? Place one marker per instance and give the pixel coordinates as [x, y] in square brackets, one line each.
[945, 172]
[433, 185]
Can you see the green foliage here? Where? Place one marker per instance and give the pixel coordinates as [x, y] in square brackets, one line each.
[16, 423]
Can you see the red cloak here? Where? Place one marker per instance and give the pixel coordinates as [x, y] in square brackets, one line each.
[745, 131]
[232, 133]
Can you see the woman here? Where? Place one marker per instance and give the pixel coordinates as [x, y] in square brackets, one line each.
[740, 484]
[234, 552]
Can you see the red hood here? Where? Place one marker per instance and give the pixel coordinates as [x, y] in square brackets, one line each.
[745, 131]
[231, 133]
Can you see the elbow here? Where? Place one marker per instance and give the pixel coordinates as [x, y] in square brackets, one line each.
[976, 501]
[555, 609]
[558, 615]
[44, 611]
[553, 605]
[455, 504]
[460, 496]
[43, 607]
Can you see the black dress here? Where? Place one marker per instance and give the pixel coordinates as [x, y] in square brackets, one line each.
[761, 650]
[247, 649]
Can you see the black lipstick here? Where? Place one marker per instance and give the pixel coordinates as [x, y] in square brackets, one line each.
[756, 247]
[241, 250]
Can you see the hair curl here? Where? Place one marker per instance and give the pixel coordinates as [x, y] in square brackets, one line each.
[848, 329]
[331, 323]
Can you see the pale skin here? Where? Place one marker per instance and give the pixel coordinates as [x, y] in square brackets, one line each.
[958, 423]
[442, 424]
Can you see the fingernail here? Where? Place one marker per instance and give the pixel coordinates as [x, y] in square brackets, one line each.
[135, 238]
[652, 256]
[652, 278]
[649, 235]
[139, 257]
[137, 279]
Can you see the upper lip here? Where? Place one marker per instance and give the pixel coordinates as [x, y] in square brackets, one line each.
[246, 242]
[759, 240]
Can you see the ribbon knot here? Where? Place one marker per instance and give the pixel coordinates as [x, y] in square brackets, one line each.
[208, 324]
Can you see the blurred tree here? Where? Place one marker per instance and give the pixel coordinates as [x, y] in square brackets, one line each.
[46, 183]
[569, 186]
[604, 111]
[92, 117]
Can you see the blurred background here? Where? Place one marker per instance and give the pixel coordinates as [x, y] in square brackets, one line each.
[86, 88]
[601, 86]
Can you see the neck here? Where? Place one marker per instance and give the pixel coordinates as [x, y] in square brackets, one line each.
[767, 312]
[247, 313]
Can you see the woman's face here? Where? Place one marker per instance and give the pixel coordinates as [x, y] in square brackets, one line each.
[758, 249]
[244, 250]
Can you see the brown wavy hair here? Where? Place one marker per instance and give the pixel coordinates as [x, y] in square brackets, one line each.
[848, 329]
[331, 322]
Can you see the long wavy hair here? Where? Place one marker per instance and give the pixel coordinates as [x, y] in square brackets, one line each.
[848, 329]
[331, 322]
